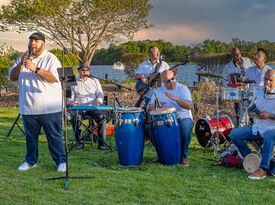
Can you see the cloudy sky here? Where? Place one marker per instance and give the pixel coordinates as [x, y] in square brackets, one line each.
[192, 21]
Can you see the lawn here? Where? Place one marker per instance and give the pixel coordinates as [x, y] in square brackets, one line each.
[150, 183]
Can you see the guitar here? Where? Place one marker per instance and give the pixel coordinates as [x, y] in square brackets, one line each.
[153, 78]
[146, 87]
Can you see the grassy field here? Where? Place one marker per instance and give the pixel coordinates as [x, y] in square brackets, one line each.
[200, 183]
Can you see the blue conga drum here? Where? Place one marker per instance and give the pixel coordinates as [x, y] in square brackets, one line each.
[129, 135]
[166, 135]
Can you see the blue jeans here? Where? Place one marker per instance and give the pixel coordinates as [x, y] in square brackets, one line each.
[239, 135]
[186, 125]
[52, 125]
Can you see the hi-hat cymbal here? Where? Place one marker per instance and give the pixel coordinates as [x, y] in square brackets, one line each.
[209, 75]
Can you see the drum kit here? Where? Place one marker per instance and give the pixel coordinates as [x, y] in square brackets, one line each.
[215, 130]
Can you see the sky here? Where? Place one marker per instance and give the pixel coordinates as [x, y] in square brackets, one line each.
[185, 22]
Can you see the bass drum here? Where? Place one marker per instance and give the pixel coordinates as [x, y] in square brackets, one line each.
[206, 128]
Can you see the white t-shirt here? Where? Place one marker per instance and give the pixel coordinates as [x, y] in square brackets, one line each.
[86, 92]
[254, 73]
[180, 91]
[146, 67]
[265, 103]
[231, 68]
[36, 95]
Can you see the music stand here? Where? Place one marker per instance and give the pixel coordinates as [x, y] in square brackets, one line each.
[67, 78]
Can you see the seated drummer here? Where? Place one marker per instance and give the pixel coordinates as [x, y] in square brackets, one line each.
[263, 128]
[238, 65]
[173, 94]
[151, 65]
[88, 91]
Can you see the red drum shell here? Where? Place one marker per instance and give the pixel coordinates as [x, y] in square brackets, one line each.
[206, 127]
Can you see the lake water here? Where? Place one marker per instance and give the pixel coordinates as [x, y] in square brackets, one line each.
[186, 73]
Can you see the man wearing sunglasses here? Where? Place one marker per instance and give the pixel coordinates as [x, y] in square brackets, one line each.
[173, 94]
[88, 91]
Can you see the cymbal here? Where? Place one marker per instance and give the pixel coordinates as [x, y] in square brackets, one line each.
[209, 75]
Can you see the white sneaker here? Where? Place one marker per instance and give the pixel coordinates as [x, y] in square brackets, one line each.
[62, 167]
[26, 166]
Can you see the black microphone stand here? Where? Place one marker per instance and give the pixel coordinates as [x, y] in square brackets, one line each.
[64, 79]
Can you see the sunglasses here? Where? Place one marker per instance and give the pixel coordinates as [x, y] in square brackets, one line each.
[169, 80]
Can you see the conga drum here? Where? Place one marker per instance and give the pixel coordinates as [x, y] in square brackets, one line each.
[129, 135]
[166, 135]
[206, 128]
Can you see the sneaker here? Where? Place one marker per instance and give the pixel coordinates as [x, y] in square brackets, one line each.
[258, 174]
[184, 162]
[62, 167]
[26, 166]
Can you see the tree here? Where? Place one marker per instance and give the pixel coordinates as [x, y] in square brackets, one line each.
[81, 24]
[131, 62]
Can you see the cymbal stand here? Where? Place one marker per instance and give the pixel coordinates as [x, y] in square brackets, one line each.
[215, 140]
[245, 105]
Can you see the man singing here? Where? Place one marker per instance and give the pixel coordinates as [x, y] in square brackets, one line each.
[40, 101]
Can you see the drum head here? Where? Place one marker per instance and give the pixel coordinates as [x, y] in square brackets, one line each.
[163, 111]
[251, 163]
[203, 132]
[129, 110]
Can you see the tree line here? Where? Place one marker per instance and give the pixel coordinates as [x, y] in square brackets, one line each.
[133, 52]
[176, 53]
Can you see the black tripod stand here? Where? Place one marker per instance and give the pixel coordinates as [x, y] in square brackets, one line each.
[88, 131]
[66, 79]
[15, 123]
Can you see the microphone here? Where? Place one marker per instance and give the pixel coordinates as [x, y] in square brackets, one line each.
[30, 53]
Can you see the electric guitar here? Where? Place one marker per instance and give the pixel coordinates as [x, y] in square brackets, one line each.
[153, 78]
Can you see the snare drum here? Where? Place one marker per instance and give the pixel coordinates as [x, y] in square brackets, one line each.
[129, 135]
[166, 135]
[233, 92]
[207, 127]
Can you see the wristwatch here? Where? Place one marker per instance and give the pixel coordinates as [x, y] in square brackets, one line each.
[37, 69]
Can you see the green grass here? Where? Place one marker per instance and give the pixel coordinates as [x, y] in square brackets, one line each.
[200, 183]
